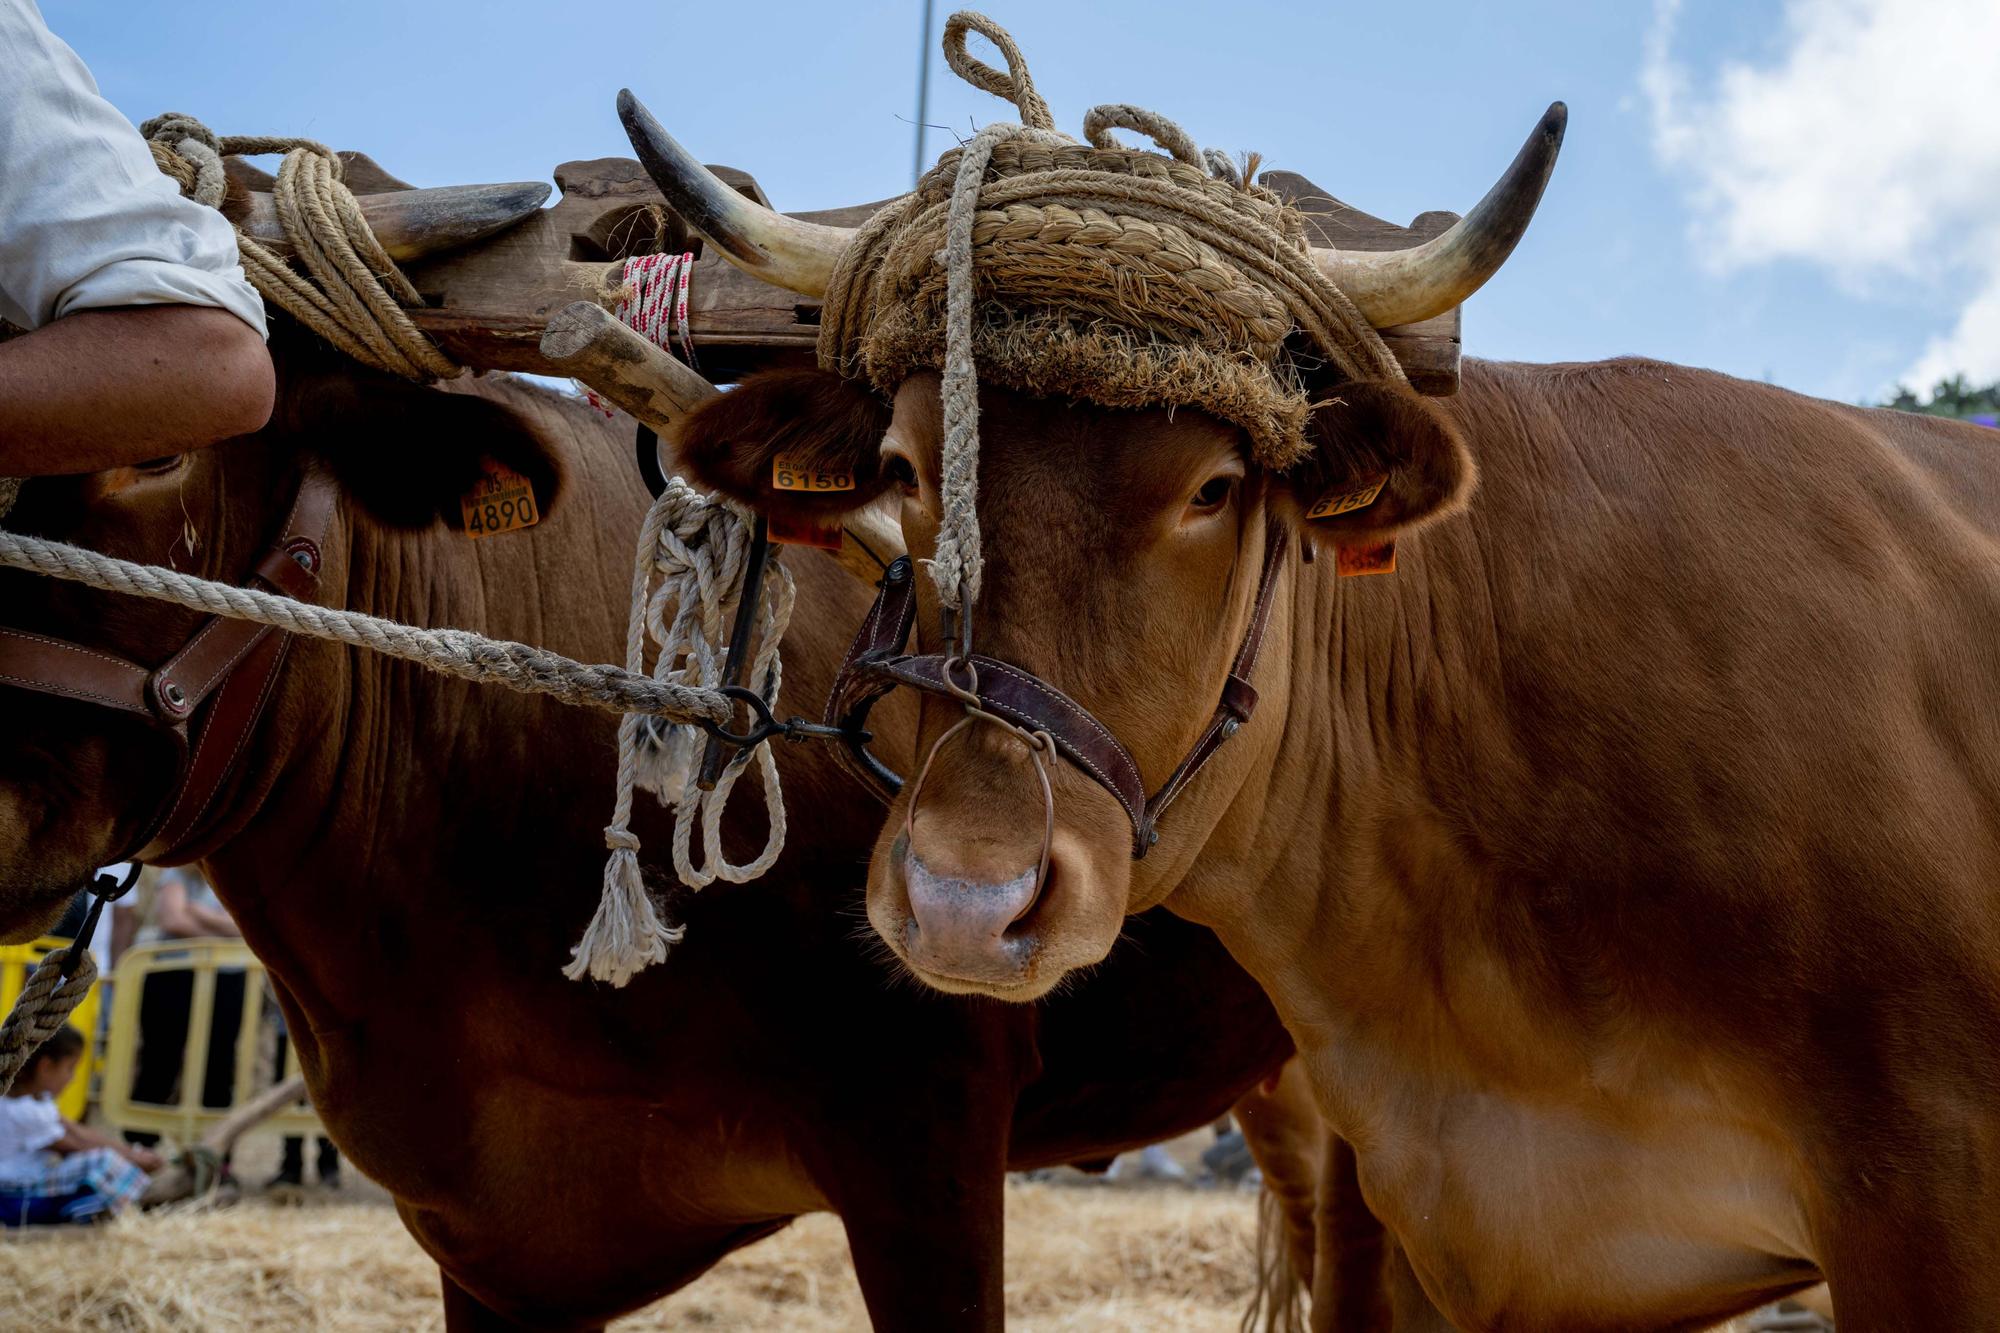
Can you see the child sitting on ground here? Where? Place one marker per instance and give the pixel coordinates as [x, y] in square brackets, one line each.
[52, 1170]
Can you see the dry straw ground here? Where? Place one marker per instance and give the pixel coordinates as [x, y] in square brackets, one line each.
[1168, 1261]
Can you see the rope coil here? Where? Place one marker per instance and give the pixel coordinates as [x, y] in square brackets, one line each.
[351, 293]
[697, 546]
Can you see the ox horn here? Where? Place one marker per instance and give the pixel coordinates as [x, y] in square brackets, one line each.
[411, 224]
[1404, 286]
[785, 252]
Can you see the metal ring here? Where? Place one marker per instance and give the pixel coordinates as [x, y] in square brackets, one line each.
[969, 694]
[1037, 742]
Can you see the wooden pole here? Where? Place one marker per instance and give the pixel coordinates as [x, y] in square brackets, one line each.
[585, 341]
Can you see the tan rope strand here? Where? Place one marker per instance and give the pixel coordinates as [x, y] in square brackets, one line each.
[45, 1003]
[518, 666]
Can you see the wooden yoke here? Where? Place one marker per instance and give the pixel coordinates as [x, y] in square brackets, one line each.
[489, 305]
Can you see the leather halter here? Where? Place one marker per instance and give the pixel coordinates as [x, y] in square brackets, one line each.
[876, 664]
[228, 665]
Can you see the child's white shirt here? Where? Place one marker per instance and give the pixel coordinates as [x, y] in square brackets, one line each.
[28, 1126]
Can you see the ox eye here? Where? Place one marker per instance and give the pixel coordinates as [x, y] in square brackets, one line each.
[1213, 494]
[902, 472]
[166, 464]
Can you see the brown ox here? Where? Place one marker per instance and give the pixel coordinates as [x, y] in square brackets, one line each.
[1665, 768]
[412, 856]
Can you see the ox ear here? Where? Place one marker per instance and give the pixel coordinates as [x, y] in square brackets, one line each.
[407, 454]
[818, 425]
[1384, 461]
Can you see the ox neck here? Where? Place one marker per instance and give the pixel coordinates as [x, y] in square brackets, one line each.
[1357, 674]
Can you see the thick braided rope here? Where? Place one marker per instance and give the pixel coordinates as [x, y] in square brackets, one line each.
[1118, 276]
[518, 666]
[44, 1005]
[697, 546]
[351, 293]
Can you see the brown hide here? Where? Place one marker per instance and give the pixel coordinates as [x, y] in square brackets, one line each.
[412, 856]
[1663, 778]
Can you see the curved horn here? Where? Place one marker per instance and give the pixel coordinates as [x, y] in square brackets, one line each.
[413, 223]
[1404, 286]
[784, 252]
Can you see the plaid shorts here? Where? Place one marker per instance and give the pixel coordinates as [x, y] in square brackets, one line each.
[75, 1188]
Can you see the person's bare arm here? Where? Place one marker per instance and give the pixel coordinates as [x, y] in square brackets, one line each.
[218, 924]
[181, 917]
[105, 388]
[81, 1138]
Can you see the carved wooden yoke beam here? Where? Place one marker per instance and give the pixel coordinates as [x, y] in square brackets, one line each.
[489, 305]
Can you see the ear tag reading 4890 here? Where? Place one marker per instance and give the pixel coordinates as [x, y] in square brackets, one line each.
[502, 500]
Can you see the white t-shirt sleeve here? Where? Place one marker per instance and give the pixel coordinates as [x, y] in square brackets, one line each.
[27, 1125]
[87, 220]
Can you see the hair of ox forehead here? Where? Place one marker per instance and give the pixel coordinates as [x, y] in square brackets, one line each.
[818, 420]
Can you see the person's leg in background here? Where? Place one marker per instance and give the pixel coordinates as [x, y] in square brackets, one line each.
[218, 1084]
[163, 1028]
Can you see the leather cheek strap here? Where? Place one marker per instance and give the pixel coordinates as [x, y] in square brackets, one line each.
[876, 664]
[230, 665]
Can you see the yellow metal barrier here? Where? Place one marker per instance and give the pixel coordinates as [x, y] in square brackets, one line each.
[186, 1119]
[16, 961]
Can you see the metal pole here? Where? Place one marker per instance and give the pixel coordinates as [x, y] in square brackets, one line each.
[923, 92]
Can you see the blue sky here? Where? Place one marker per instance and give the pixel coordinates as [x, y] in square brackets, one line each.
[1714, 204]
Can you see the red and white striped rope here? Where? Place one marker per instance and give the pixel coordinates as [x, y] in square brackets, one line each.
[655, 303]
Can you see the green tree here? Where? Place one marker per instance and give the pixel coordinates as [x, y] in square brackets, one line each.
[1954, 397]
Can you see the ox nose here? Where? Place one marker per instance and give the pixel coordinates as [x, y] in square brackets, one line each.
[959, 927]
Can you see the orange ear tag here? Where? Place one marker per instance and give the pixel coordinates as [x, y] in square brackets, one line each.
[786, 476]
[502, 500]
[1380, 558]
[794, 530]
[1335, 503]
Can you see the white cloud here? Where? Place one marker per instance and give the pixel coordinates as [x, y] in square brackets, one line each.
[1868, 142]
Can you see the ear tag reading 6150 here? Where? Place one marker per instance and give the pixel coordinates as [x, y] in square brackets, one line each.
[786, 476]
[1335, 503]
[502, 500]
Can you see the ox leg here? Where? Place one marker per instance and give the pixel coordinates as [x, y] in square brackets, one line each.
[1411, 1308]
[463, 1313]
[928, 1252]
[1351, 1292]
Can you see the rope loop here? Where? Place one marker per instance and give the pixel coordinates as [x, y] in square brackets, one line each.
[1015, 85]
[1099, 121]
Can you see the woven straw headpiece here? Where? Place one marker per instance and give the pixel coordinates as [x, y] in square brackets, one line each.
[1109, 275]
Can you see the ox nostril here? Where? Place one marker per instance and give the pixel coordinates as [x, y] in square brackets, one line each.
[956, 922]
